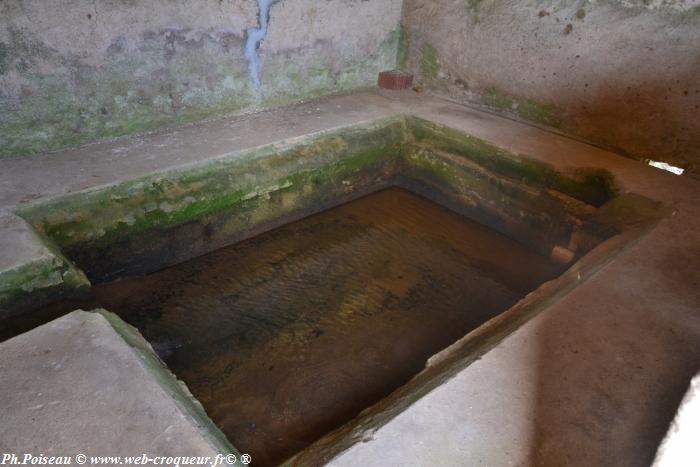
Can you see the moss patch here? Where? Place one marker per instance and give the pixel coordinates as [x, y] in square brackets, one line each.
[179, 196]
[3, 58]
[527, 109]
[38, 282]
[403, 47]
[592, 186]
[65, 103]
[158, 220]
[473, 7]
[429, 63]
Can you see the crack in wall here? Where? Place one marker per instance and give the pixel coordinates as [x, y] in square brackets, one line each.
[254, 36]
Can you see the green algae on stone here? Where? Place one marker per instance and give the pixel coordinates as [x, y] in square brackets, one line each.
[68, 103]
[496, 100]
[535, 215]
[473, 7]
[3, 58]
[293, 76]
[285, 201]
[402, 50]
[593, 186]
[527, 109]
[156, 220]
[46, 278]
[113, 101]
[429, 64]
[180, 195]
[171, 198]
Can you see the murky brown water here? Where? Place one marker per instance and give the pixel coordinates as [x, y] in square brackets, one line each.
[290, 334]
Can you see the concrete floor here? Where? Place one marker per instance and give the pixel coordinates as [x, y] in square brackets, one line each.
[593, 380]
[86, 384]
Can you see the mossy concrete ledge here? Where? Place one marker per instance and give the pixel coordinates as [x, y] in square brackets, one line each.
[51, 407]
[32, 270]
[157, 220]
[142, 225]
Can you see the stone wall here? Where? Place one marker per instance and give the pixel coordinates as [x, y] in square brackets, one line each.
[76, 70]
[624, 74]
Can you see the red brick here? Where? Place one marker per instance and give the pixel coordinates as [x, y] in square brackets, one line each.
[395, 79]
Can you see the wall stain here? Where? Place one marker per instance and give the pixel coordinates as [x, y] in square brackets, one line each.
[430, 66]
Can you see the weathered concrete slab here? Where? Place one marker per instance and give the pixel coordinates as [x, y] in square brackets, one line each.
[87, 383]
[29, 267]
[19, 242]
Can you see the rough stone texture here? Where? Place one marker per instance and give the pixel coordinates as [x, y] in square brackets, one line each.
[76, 70]
[622, 74]
[31, 271]
[19, 241]
[88, 383]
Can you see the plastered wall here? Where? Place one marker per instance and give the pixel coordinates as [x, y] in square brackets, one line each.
[75, 70]
[624, 74]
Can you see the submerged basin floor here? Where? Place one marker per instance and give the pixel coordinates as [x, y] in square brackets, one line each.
[292, 333]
